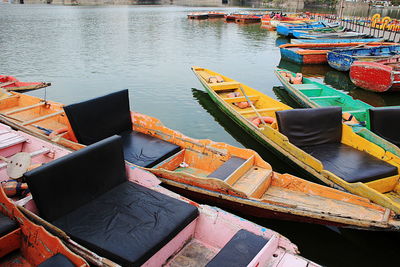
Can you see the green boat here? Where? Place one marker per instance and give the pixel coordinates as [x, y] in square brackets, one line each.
[312, 94]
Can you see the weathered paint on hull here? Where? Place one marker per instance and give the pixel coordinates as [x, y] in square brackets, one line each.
[375, 77]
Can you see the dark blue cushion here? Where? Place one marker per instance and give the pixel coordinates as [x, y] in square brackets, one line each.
[227, 168]
[239, 251]
[58, 260]
[101, 117]
[7, 225]
[145, 150]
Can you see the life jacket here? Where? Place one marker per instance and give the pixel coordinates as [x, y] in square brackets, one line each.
[257, 121]
[14, 188]
[349, 119]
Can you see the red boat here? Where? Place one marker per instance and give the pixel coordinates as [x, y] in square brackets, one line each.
[377, 76]
[247, 19]
[11, 83]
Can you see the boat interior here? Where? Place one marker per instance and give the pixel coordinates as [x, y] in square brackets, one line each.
[131, 224]
[202, 163]
[22, 152]
[325, 96]
[340, 151]
[23, 243]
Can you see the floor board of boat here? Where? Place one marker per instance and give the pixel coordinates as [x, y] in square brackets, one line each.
[306, 201]
[193, 171]
[194, 254]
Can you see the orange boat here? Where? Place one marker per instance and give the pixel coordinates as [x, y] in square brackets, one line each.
[233, 177]
[23, 243]
[11, 83]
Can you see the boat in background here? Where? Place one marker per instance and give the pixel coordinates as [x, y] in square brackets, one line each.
[312, 94]
[342, 59]
[11, 83]
[286, 29]
[327, 35]
[198, 15]
[310, 125]
[23, 243]
[377, 76]
[216, 15]
[332, 41]
[316, 53]
[301, 33]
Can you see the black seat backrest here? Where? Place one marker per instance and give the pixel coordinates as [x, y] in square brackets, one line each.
[385, 123]
[311, 126]
[63, 185]
[101, 117]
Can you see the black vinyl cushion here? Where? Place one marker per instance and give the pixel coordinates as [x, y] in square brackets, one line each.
[65, 184]
[311, 126]
[101, 117]
[58, 260]
[7, 225]
[350, 164]
[385, 123]
[239, 251]
[128, 224]
[86, 194]
[227, 168]
[145, 150]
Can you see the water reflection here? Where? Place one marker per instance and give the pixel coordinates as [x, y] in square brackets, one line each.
[307, 70]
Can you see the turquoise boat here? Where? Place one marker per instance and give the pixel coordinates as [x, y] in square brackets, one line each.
[287, 29]
[334, 41]
[312, 94]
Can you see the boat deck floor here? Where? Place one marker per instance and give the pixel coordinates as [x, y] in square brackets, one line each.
[14, 259]
[301, 200]
[193, 171]
[193, 254]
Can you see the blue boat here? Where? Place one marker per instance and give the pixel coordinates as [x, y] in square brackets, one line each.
[334, 41]
[342, 59]
[317, 34]
[287, 29]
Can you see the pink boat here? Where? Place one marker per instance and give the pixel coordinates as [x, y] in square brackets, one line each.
[122, 215]
[377, 76]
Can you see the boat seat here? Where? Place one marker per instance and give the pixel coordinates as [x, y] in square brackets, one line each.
[239, 251]
[57, 260]
[145, 150]
[350, 164]
[102, 117]
[87, 195]
[318, 132]
[226, 169]
[384, 122]
[306, 86]
[7, 225]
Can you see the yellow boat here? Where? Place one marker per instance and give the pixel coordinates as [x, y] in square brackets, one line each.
[348, 162]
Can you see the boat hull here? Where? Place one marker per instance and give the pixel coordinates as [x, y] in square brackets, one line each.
[331, 41]
[373, 76]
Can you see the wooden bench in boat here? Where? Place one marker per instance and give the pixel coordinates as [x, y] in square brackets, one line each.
[306, 86]
[325, 97]
[225, 86]
[240, 99]
[117, 219]
[245, 112]
[318, 132]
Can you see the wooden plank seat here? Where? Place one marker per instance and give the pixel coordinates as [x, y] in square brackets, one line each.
[325, 97]
[385, 123]
[226, 169]
[239, 251]
[58, 260]
[225, 86]
[318, 132]
[306, 86]
[240, 99]
[102, 117]
[7, 225]
[244, 112]
[87, 195]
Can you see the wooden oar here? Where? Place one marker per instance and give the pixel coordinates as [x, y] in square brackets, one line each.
[7, 83]
[75, 247]
[252, 106]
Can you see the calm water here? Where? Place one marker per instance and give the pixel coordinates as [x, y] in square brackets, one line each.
[89, 51]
